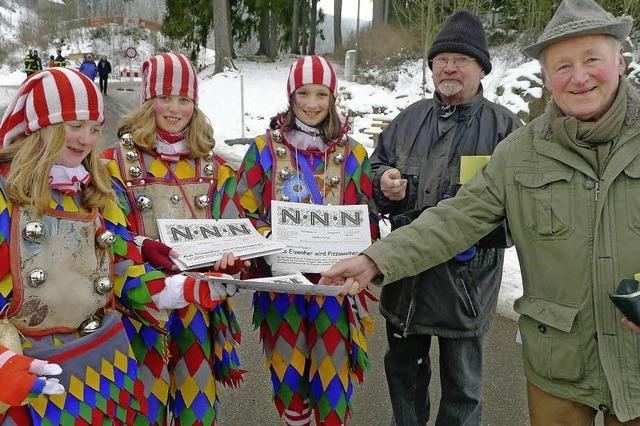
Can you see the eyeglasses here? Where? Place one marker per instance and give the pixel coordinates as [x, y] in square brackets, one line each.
[458, 61]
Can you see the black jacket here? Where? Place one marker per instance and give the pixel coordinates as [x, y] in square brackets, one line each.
[425, 142]
[104, 68]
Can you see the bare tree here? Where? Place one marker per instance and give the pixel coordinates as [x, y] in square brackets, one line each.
[313, 24]
[337, 26]
[263, 28]
[222, 34]
[295, 27]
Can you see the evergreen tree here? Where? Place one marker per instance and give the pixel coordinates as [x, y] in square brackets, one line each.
[188, 22]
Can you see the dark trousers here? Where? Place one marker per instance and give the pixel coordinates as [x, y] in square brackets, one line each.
[103, 84]
[408, 369]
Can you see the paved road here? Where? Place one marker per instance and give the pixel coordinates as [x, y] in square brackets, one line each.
[505, 397]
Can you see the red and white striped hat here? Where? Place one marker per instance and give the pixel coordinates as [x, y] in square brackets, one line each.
[312, 70]
[169, 74]
[50, 97]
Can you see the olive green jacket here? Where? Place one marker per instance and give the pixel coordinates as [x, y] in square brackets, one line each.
[577, 236]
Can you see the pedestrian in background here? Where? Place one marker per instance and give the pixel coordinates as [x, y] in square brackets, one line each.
[88, 67]
[104, 69]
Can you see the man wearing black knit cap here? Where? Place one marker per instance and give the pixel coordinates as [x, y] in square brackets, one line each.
[416, 164]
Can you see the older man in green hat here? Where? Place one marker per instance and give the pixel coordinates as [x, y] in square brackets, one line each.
[569, 184]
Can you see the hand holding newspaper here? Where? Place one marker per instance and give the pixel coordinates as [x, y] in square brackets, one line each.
[201, 242]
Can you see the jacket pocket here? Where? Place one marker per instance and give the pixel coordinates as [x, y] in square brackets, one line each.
[632, 189]
[552, 346]
[546, 203]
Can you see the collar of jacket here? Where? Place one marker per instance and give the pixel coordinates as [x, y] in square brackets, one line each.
[543, 129]
[462, 110]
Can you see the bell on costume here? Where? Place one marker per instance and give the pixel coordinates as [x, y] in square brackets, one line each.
[208, 169]
[90, 325]
[343, 140]
[281, 152]
[209, 156]
[33, 231]
[135, 171]
[127, 140]
[284, 174]
[175, 199]
[334, 180]
[277, 135]
[202, 201]
[132, 156]
[103, 285]
[106, 239]
[338, 158]
[37, 277]
[143, 202]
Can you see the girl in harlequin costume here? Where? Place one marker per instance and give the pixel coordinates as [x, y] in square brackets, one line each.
[315, 346]
[164, 167]
[69, 268]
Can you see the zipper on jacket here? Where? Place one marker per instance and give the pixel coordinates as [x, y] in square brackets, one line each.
[405, 332]
[466, 293]
[597, 188]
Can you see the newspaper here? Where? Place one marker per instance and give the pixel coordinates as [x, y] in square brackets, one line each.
[201, 242]
[317, 236]
[292, 284]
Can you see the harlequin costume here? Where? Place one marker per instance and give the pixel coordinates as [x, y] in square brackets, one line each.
[70, 250]
[168, 183]
[315, 346]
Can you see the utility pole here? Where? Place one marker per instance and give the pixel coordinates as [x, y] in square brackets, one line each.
[358, 32]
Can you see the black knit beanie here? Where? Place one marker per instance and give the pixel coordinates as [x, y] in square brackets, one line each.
[462, 33]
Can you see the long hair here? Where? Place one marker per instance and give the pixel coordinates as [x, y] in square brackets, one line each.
[142, 125]
[329, 128]
[31, 159]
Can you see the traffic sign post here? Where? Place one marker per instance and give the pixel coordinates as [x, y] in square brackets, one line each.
[130, 52]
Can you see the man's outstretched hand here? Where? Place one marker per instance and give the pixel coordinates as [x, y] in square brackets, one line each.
[354, 274]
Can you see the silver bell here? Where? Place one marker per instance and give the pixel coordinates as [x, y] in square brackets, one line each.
[89, 326]
[208, 169]
[37, 277]
[284, 174]
[281, 152]
[33, 231]
[209, 156]
[334, 180]
[132, 156]
[202, 201]
[343, 140]
[284, 198]
[106, 239]
[277, 135]
[103, 285]
[127, 140]
[135, 171]
[338, 158]
[175, 199]
[143, 202]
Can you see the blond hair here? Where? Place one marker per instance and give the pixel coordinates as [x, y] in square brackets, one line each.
[330, 127]
[31, 160]
[142, 125]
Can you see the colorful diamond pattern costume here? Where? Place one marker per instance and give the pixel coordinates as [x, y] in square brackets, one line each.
[201, 342]
[315, 346]
[110, 390]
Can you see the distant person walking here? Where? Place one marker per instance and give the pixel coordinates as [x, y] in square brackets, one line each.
[37, 62]
[104, 69]
[60, 60]
[28, 63]
[88, 67]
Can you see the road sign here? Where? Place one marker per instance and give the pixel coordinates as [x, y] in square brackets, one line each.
[131, 52]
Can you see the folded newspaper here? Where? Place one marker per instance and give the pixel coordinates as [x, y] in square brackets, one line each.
[292, 284]
[201, 242]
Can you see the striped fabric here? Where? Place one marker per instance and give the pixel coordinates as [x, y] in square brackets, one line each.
[49, 97]
[169, 74]
[312, 70]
